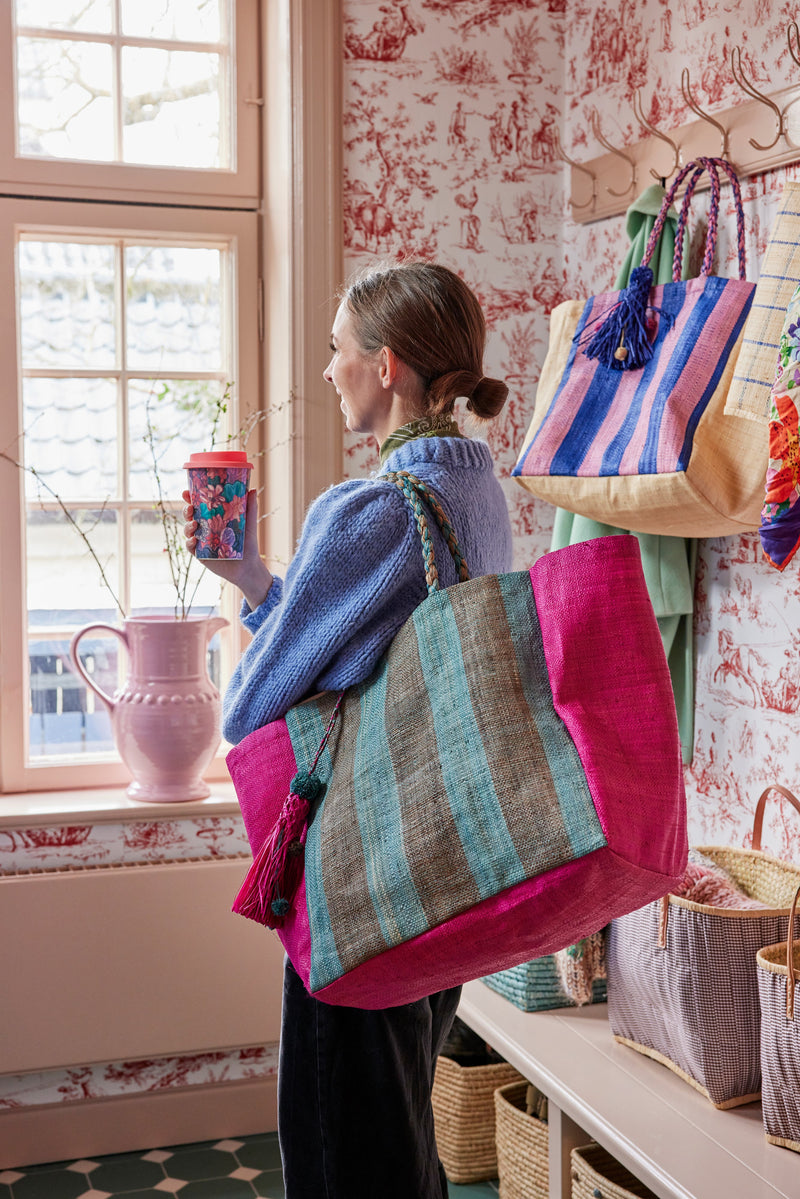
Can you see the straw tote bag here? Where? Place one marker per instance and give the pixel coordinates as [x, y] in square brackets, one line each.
[629, 426]
[515, 751]
[682, 976]
[778, 975]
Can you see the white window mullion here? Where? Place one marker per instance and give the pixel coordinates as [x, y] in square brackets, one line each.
[123, 432]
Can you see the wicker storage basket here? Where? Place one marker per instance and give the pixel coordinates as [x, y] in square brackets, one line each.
[683, 979]
[463, 1115]
[778, 973]
[536, 986]
[522, 1143]
[598, 1175]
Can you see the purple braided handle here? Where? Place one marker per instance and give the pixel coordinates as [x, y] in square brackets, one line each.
[698, 166]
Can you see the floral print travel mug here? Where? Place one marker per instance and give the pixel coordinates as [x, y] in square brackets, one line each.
[218, 482]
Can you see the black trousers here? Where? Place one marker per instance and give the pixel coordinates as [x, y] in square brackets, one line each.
[354, 1097]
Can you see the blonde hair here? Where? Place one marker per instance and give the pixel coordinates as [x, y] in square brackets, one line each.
[432, 321]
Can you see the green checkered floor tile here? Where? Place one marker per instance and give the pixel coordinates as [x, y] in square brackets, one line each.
[237, 1168]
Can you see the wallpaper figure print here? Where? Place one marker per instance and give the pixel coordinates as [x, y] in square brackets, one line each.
[386, 40]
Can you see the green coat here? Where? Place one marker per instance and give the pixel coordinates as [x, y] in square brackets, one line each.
[668, 562]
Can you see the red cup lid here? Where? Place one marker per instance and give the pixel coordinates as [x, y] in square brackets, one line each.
[218, 458]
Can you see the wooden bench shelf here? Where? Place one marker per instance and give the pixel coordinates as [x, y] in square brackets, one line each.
[664, 1131]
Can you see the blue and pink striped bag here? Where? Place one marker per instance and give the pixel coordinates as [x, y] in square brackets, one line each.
[629, 425]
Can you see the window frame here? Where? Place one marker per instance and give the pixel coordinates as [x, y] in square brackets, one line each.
[299, 262]
[239, 230]
[124, 182]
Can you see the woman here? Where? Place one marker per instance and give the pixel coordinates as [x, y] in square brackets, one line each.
[354, 1088]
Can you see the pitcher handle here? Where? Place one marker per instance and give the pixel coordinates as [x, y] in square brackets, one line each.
[215, 623]
[77, 665]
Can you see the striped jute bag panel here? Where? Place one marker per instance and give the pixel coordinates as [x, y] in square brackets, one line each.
[778, 975]
[756, 362]
[682, 976]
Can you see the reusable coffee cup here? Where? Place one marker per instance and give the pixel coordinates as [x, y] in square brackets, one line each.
[218, 482]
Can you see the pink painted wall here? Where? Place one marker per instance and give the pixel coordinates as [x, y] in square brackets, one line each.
[449, 106]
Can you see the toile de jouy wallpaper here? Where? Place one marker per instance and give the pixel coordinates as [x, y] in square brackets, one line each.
[453, 111]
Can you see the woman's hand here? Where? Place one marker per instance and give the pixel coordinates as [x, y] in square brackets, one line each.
[249, 573]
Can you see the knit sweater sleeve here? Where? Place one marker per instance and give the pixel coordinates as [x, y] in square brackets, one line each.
[356, 577]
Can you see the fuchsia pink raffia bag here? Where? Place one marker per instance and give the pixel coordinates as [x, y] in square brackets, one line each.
[506, 781]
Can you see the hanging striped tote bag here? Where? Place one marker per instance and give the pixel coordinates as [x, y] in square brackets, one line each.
[629, 425]
[506, 781]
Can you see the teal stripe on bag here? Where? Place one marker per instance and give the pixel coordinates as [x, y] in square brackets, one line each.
[569, 779]
[391, 886]
[325, 963]
[488, 847]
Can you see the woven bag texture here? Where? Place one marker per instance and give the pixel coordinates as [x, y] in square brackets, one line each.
[598, 1175]
[522, 1146]
[780, 1043]
[537, 986]
[650, 449]
[693, 1005]
[464, 1117]
[756, 362]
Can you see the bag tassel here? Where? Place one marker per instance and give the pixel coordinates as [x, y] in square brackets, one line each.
[272, 881]
[622, 342]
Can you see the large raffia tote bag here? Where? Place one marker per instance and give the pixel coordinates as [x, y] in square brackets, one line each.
[629, 425]
[778, 976]
[505, 782]
[682, 976]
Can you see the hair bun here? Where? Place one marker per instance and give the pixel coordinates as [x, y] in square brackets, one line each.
[487, 398]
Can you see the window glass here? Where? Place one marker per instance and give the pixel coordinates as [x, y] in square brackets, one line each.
[151, 87]
[105, 452]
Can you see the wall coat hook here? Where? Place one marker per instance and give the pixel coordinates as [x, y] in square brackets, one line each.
[577, 167]
[642, 119]
[595, 123]
[686, 89]
[748, 88]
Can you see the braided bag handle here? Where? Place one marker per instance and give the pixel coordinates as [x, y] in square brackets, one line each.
[417, 492]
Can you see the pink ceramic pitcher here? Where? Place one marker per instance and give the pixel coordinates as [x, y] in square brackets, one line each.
[166, 717]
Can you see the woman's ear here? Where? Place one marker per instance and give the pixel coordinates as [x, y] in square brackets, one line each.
[389, 367]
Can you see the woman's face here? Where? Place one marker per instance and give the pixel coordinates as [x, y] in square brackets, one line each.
[356, 377]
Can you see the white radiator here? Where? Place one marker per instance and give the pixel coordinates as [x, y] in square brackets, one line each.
[129, 962]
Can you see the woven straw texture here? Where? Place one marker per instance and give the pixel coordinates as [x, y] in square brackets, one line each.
[464, 1117]
[693, 1005]
[522, 1146]
[757, 360]
[598, 1175]
[537, 986]
[780, 1044]
[651, 450]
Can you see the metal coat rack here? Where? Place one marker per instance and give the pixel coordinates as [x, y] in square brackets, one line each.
[757, 135]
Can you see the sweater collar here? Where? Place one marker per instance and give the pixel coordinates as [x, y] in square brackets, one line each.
[426, 426]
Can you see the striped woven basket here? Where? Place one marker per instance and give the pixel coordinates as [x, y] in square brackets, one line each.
[464, 1119]
[683, 979]
[537, 986]
[778, 974]
[522, 1146]
[598, 1175]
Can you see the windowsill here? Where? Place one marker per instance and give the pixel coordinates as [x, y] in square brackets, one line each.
[106, 804]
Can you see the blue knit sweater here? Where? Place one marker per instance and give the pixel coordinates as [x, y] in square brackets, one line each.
[357, 576]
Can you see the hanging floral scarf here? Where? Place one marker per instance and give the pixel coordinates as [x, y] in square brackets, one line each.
[780, 516]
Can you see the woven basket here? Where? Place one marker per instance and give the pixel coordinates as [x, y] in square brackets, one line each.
[778, 973]
[522, 1146]
[598, 1175]
[682, 976]
[536, 986]
[463, 1114]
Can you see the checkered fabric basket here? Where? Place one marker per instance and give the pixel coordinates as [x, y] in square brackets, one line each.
[598, 1175]
[683, 980]
[522, 1146]
[463, 1116]
[778, 974]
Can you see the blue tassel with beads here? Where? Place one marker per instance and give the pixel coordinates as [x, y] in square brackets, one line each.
[622, 342]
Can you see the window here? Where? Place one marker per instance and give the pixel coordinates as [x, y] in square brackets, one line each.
[130, 338]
